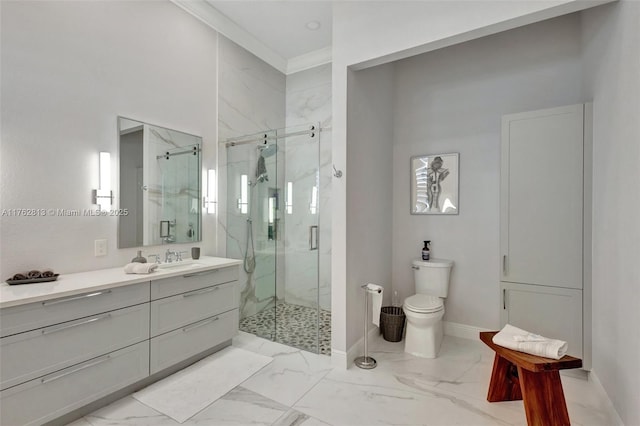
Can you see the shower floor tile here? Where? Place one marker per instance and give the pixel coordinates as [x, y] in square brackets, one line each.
[295, 326]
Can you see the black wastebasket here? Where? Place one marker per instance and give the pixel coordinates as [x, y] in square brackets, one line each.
[392, 323]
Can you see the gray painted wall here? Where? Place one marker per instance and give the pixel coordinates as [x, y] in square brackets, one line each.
[452, 100]
[68, 70]
[369, 180]
[612, 66]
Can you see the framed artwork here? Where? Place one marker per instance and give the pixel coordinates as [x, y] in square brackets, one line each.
[434, 184]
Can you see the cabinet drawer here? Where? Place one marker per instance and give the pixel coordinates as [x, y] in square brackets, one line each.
[176, 311]
[192, 281]
[173, 347]
[35, 353]
[42, 314]
[51, 396]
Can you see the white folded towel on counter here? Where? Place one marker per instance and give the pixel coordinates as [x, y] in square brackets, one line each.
[376, 301]
[520, 340]
[140, 268]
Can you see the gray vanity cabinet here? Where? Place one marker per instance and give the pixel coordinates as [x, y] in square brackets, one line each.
[177, 345]
[87, 346]
[47, 398]
[35, 353]
[192, 313]
[32, 316]
[61, 354]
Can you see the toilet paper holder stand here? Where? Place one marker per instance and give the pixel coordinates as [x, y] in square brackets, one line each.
[366, 361]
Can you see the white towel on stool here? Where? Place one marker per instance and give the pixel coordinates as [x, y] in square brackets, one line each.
[376, 302]
[140, 268]
[520, 340]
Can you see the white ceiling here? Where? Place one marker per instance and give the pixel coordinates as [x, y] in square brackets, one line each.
[280, 25]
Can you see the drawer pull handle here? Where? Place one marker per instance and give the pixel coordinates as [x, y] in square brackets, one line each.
[199, 324]
[199, 292]
[199, 274]
[68, 326]
[75, 370]
[70, 299]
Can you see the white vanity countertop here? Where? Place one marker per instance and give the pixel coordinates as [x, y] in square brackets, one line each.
[82, 282]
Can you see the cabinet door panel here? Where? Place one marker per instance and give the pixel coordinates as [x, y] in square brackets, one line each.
[33, 354]
[174, 312]
[178, 345]
[191, 281]
[551, 312]
[22, 318]
[542, 197]
[47, 398]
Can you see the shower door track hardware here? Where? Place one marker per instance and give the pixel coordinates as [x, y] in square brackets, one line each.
[168, 154]
[263, 138]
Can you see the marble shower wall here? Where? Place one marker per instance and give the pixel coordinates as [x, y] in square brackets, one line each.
[251, 98]
[254, 97]
[308, 101]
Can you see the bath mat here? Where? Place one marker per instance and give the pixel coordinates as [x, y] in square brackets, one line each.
[185, 393]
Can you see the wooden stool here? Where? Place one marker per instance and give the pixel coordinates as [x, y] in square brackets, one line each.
[534, 379]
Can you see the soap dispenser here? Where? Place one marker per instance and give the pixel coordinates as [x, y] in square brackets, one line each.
[139, 258]
[426, 250]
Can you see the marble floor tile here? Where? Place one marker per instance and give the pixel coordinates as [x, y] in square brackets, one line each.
[80, 422]
[187, 392]
[296, 418]
[128, 412]
[342, 403]
[239, 407]
[289, 376]
[585, 404]
[301, 388]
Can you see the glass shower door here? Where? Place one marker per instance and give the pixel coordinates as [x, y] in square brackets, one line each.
[273, 199]
[251, 235]
[298, 295]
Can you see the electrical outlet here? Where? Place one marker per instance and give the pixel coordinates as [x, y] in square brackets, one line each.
[100, 247]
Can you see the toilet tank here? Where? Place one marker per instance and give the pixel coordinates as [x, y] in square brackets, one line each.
[432, 277]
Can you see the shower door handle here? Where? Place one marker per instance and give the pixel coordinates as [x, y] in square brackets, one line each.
[313, 237]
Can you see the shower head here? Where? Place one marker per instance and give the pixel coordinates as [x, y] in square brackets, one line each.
[267, 150]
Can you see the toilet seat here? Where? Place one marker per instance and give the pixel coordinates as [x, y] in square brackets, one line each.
[423, 303]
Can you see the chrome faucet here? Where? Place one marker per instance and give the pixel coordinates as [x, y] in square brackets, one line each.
[169, 256]
[157, 256]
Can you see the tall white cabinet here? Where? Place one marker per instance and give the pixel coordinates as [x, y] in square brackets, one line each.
[545, 223]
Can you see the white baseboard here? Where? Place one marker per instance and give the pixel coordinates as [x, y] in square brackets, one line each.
[462, 330]
[613, 414]
[344, 360]
[339, 359]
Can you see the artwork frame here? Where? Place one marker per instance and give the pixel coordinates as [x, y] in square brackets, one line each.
[435, 184]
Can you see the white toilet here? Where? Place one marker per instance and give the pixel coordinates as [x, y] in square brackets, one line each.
[425, 309]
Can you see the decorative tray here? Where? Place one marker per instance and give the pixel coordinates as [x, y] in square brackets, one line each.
[33, 280]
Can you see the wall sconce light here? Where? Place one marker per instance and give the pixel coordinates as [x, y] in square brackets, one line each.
[289, 203]
[210, 201]
[103, 196]
[243, 201]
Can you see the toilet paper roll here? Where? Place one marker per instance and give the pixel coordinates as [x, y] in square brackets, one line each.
[376, 301]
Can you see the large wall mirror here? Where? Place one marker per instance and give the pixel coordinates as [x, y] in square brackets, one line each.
[159, 185]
